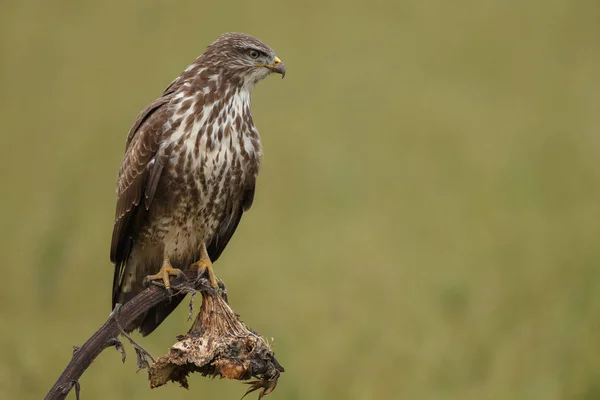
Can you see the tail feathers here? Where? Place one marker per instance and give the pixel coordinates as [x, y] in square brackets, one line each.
[157, 314]
[150, 320]
[129, 281]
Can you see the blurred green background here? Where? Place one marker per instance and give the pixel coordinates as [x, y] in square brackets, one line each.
[427, 218]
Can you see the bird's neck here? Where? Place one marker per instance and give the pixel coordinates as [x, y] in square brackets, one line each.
[240, 102]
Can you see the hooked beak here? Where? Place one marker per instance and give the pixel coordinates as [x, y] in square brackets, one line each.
[276, 67]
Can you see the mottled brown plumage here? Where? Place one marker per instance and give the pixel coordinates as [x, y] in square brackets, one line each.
[190, 167]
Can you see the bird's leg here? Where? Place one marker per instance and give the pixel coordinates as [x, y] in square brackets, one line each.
[205, 265]
[165, 271]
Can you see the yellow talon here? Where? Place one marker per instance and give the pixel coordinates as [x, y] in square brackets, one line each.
[163, 274]
[205, 265]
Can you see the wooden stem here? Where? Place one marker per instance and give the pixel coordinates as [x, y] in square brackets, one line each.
[107, 335]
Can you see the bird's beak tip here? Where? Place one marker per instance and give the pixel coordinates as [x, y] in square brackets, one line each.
[278, 67]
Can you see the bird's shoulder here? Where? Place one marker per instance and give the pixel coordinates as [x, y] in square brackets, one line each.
[143, 140]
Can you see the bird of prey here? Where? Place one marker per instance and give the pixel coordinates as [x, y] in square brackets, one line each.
[189, 172]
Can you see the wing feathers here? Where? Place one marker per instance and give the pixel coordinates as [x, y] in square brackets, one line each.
[143, 117]
[248, 198]
[155, 167]
[229, 224]
[139, 175]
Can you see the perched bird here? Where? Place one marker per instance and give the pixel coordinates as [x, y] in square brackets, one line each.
[189, 172]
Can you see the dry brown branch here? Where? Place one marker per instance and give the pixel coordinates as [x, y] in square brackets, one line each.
[233, 347]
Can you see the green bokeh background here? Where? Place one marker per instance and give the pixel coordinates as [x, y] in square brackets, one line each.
[427, 216]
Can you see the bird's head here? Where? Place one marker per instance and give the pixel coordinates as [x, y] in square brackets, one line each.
[243, 58]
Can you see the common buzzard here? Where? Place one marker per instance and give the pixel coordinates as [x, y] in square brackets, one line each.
[189, 171]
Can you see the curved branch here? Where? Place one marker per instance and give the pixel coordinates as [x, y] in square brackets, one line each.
[107, 335]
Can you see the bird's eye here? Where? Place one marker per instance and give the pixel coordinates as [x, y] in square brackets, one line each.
[253, 53]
